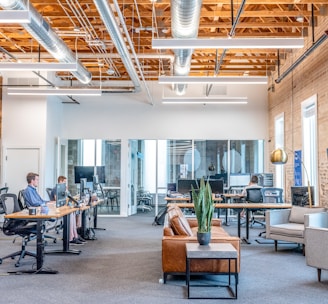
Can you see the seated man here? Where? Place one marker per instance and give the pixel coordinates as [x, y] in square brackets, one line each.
[74, 238]
[33, 199]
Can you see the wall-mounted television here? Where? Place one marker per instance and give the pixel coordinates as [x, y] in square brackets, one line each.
[83, 172]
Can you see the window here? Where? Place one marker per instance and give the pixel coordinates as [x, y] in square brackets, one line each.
[279, 135]
[309, 139]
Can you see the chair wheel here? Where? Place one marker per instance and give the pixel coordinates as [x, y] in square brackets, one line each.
[17, 264]
[12, 258]
[55, 241]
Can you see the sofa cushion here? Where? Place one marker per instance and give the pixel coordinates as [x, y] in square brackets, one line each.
[297, 213]
[178, 222]
[288, 229]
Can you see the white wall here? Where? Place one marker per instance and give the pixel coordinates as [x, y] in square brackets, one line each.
[130, 116]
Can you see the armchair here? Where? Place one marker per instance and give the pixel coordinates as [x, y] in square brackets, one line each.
[288, 224]
[316, 242]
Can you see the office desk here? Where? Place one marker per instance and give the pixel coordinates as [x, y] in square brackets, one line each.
[56, 213]
[239, 207]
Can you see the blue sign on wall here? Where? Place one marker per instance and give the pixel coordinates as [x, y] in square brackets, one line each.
[298, 168]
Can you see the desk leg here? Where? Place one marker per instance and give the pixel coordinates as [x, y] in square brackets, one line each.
[246, 239]
[239, 224]
[65, 249]
[39, 254]
[95, 216]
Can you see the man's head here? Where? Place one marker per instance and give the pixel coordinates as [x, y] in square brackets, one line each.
[254, 179]
[62, 179]
[32, 179]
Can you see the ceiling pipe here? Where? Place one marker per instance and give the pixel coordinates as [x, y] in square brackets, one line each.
[185, 16]
[302, 57]
[108, 17]
[44, 34]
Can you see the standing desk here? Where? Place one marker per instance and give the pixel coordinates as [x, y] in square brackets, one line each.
[39, 218]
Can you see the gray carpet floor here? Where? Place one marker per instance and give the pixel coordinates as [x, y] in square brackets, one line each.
[124, 266]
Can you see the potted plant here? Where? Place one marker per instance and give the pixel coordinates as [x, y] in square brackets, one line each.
[204, 208]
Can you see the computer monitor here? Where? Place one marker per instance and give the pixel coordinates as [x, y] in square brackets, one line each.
[60, 195]
[83, 172]
[239, 180]
[216, 185]
[83, 186]
[172, 187]
[184, 185]
[300, 195]
[223, 176]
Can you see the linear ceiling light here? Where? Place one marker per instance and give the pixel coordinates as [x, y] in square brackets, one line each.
[15, 16]
[214, 79]
[229, 43]
[37, 66]
[205, 100]
[54, 91]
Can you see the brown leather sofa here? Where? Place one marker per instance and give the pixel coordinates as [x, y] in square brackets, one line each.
[179, 230]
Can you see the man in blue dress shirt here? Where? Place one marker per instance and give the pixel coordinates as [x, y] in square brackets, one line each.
[31, 196]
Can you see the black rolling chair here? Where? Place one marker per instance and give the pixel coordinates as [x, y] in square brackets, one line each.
[22, 228]
[21, 202]
[2, 191]
[254, 195]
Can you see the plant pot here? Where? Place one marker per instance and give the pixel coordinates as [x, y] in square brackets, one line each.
[203, 238]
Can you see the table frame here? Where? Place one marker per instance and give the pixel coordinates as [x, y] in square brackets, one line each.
[220, 254]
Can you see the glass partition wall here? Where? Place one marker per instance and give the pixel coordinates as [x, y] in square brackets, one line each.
[153, 164]
[98, 153]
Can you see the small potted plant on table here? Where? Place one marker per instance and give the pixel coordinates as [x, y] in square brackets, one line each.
[204, 208]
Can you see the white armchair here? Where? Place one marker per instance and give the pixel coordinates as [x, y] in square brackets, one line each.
[316, 242]
[288, 224]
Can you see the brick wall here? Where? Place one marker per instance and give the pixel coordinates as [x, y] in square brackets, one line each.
[308, 78]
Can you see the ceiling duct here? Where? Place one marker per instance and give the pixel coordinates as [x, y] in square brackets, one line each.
[185, 16]
[108, 17]
[44, 34]
[302, 57]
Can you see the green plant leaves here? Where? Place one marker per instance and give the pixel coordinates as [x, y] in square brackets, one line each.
[203, 204]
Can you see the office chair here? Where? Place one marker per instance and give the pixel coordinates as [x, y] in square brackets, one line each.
[22, 205]
[254, 195]
[271, 195]
[22, 228]
[2, 191]
[144, 200]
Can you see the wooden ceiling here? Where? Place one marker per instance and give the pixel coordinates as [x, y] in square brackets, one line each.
[78, 23]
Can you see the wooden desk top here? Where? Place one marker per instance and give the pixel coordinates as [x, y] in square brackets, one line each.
[238, 205]
[53, 213]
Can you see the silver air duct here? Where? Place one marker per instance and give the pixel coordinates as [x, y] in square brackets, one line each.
[185, 15]
[44, 34]
[108, 18]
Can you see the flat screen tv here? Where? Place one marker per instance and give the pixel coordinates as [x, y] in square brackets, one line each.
[83, 172]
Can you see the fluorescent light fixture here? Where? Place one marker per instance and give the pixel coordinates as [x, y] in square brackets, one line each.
[37, 66]
[214, 79]
[228, 43]
[205, 100]
[15, 16]
[54, 91]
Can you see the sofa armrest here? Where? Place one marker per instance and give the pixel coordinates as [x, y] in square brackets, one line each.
[316, 247]
[277, 216]
[316, 220]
